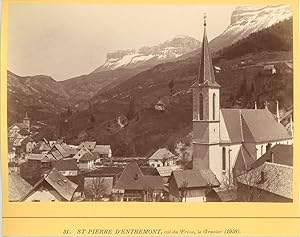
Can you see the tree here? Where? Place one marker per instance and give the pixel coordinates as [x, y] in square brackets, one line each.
[98, 188]
[183, 191]
[171, 86]
[131, 109]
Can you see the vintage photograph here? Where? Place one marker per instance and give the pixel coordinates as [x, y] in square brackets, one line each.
[150, 103]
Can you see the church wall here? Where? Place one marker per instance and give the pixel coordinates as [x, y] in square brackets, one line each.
[262, 147]
[214, 132]
[200, 132]
[215, 161]
[196, 103]
[200, 157]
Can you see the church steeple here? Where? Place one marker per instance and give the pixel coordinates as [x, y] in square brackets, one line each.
[206, 70]
[206, 112]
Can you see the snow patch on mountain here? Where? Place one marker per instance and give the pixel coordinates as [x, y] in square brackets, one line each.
[167, 50]
[249, 19]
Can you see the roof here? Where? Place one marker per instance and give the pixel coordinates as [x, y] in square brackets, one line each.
[87, 156]
[88, 145]
[65, 164]
[17, 186]
[102, 149]
[81, 152]
[61, 150]
[226, 194]
[27, 140]
[244, 159]
[166, 171]
[40, 157]
[162, 154]
[282, 154]
[132, 178]
[276, 179]
[206, 71]
[19, 125]
[61, 184]
[24, 132]
[253, 126]
[195, 178]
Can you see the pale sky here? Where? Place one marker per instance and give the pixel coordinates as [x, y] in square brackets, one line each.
[68, 40]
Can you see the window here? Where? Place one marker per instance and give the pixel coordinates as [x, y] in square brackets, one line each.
[223, 158]
[214, 106]
[201, 107]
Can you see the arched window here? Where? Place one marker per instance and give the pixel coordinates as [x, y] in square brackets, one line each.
[200, 106]
[214, 106]
[223, 158]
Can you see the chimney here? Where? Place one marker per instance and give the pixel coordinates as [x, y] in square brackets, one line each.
[272, 156]
[255, 105]
[277, 112]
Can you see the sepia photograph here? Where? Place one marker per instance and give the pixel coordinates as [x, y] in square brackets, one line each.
[150, 103]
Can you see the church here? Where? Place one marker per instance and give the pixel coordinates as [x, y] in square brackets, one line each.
[228, 141]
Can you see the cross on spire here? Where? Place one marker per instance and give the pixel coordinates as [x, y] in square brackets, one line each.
[204, 17]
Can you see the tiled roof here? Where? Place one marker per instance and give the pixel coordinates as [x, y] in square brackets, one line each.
[276, 179]
[102, 149]
[166, 171]
[17, 186]
[282, 154]
[61, 184]
[195, 178]
[162, 154]
[87, 156]
[132, 178]
[24, 132]
[81, 152]
[253, 126]
[88, 145]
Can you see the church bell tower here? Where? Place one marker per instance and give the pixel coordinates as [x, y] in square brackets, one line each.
[206, 113]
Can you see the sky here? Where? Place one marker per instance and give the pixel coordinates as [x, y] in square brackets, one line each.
[69, 40]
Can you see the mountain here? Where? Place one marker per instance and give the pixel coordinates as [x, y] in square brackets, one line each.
[41, 96]
[248, 19]
[154, 55]
[148, 129]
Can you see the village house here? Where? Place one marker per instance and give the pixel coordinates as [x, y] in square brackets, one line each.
[133, 185]
[17, 127]
[270, 178]
[87, 162]
[162, 157]
[53, 187]
[67, 167]
[221, 136]
[191, 185]
[103, 150]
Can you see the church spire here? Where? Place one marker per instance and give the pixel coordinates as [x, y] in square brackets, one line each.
[206, 71]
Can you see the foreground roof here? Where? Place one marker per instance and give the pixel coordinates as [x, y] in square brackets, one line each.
[132, 178]
[270, 177]
[88, 145]
[61, 184]
[195, 178]
[17, 186]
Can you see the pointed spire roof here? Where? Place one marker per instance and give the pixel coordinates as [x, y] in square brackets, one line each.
[206, 74]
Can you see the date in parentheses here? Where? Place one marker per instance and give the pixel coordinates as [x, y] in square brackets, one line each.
[231, 231]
